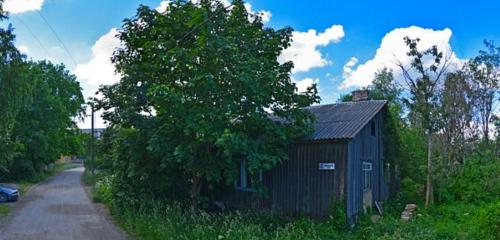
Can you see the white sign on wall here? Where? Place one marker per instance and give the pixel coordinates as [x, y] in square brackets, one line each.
[326, 166]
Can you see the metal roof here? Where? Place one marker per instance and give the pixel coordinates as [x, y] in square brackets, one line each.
[343, 120]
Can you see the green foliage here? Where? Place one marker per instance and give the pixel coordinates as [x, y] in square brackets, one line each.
[102, 190]
[488, 221]
[4, 210]
[198, 103]
[15, 92]
[475, 182]
[45, 128]
[161, 220]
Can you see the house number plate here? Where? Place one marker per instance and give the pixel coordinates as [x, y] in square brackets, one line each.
[326, 166]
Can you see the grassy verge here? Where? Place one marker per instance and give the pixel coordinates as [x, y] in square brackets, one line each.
[4, 210]
[164, 220]
[171, 221]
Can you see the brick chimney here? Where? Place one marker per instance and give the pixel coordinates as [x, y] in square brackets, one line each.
[360, 95]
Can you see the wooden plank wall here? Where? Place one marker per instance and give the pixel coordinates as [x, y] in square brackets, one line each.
[365, 147]
[297, 186]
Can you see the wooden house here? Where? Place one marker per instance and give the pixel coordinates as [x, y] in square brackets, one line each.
[342, 161]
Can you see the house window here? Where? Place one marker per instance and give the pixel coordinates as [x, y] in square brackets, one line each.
[245, 181]
[373, 129]
[367, 173]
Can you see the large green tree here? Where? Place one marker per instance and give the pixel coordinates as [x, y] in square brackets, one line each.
[206, 78]
[14, 92]
[46, 127]
[484, 72]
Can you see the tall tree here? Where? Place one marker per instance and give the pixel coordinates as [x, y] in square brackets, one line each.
[484, 71]
[456, 116]
[422, 79]
[384, 86]
[46, 128]
[14, 91]
[205, 77]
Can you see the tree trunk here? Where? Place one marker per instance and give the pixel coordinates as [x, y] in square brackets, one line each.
[194, 193]
[429, 193]
[487, 133]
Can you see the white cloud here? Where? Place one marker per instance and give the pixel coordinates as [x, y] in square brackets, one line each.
[265, 15]
[21, 6]
[23, 49]
[163, 6]
[304, 52]
[392, 49]
[303, 84]
[99, 70]
[348, 67]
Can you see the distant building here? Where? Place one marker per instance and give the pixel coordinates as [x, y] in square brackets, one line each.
[97, 131]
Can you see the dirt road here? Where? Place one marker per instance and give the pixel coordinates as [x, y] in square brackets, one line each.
[59, 209]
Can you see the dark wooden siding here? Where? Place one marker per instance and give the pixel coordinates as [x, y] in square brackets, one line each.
[365, 147]
[298, 186]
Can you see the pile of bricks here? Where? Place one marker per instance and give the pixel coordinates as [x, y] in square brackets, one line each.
[409, 211]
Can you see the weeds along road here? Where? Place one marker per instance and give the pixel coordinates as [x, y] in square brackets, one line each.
[58, 209]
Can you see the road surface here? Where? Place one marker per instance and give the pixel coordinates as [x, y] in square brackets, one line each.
[58, 209]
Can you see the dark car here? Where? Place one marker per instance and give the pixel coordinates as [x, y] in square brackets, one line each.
[8, 194]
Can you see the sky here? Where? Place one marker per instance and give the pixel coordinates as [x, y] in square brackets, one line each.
[339, 45]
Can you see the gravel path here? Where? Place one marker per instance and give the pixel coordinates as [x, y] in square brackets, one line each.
[59, 209]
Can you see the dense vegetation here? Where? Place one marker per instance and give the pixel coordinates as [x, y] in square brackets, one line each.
[196, 102]
[39, 103]
[189, 107]
[198, 84]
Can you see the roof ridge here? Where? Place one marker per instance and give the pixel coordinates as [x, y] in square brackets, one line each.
[347, 103]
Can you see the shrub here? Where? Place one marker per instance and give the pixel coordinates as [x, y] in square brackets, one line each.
[488, 221]
[102, 190]
[476, 181]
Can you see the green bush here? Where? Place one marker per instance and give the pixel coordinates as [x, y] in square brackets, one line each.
[102, 190]
[476, 181]
[488, 221]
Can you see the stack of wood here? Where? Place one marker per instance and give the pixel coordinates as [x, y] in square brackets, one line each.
[409, 211]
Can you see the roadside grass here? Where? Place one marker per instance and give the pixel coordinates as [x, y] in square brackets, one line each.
[452, 219]
[4, 210]
[171, 221]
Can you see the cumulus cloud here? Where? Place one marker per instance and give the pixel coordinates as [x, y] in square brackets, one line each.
[99, 70]
[303, 84]
[163, 6]
[348, 67]
[21, 6]
[23, 49]
[393, 49]
[304, 50]
[265, 15]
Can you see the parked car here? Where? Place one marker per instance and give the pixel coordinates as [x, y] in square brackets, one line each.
[8, 194]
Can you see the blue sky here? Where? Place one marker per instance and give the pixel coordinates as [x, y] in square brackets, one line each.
[365, 34]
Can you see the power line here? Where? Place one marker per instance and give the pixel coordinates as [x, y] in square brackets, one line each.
[58, 38]
[31, 32]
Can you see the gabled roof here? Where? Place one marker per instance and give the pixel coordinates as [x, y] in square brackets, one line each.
[343, 120]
